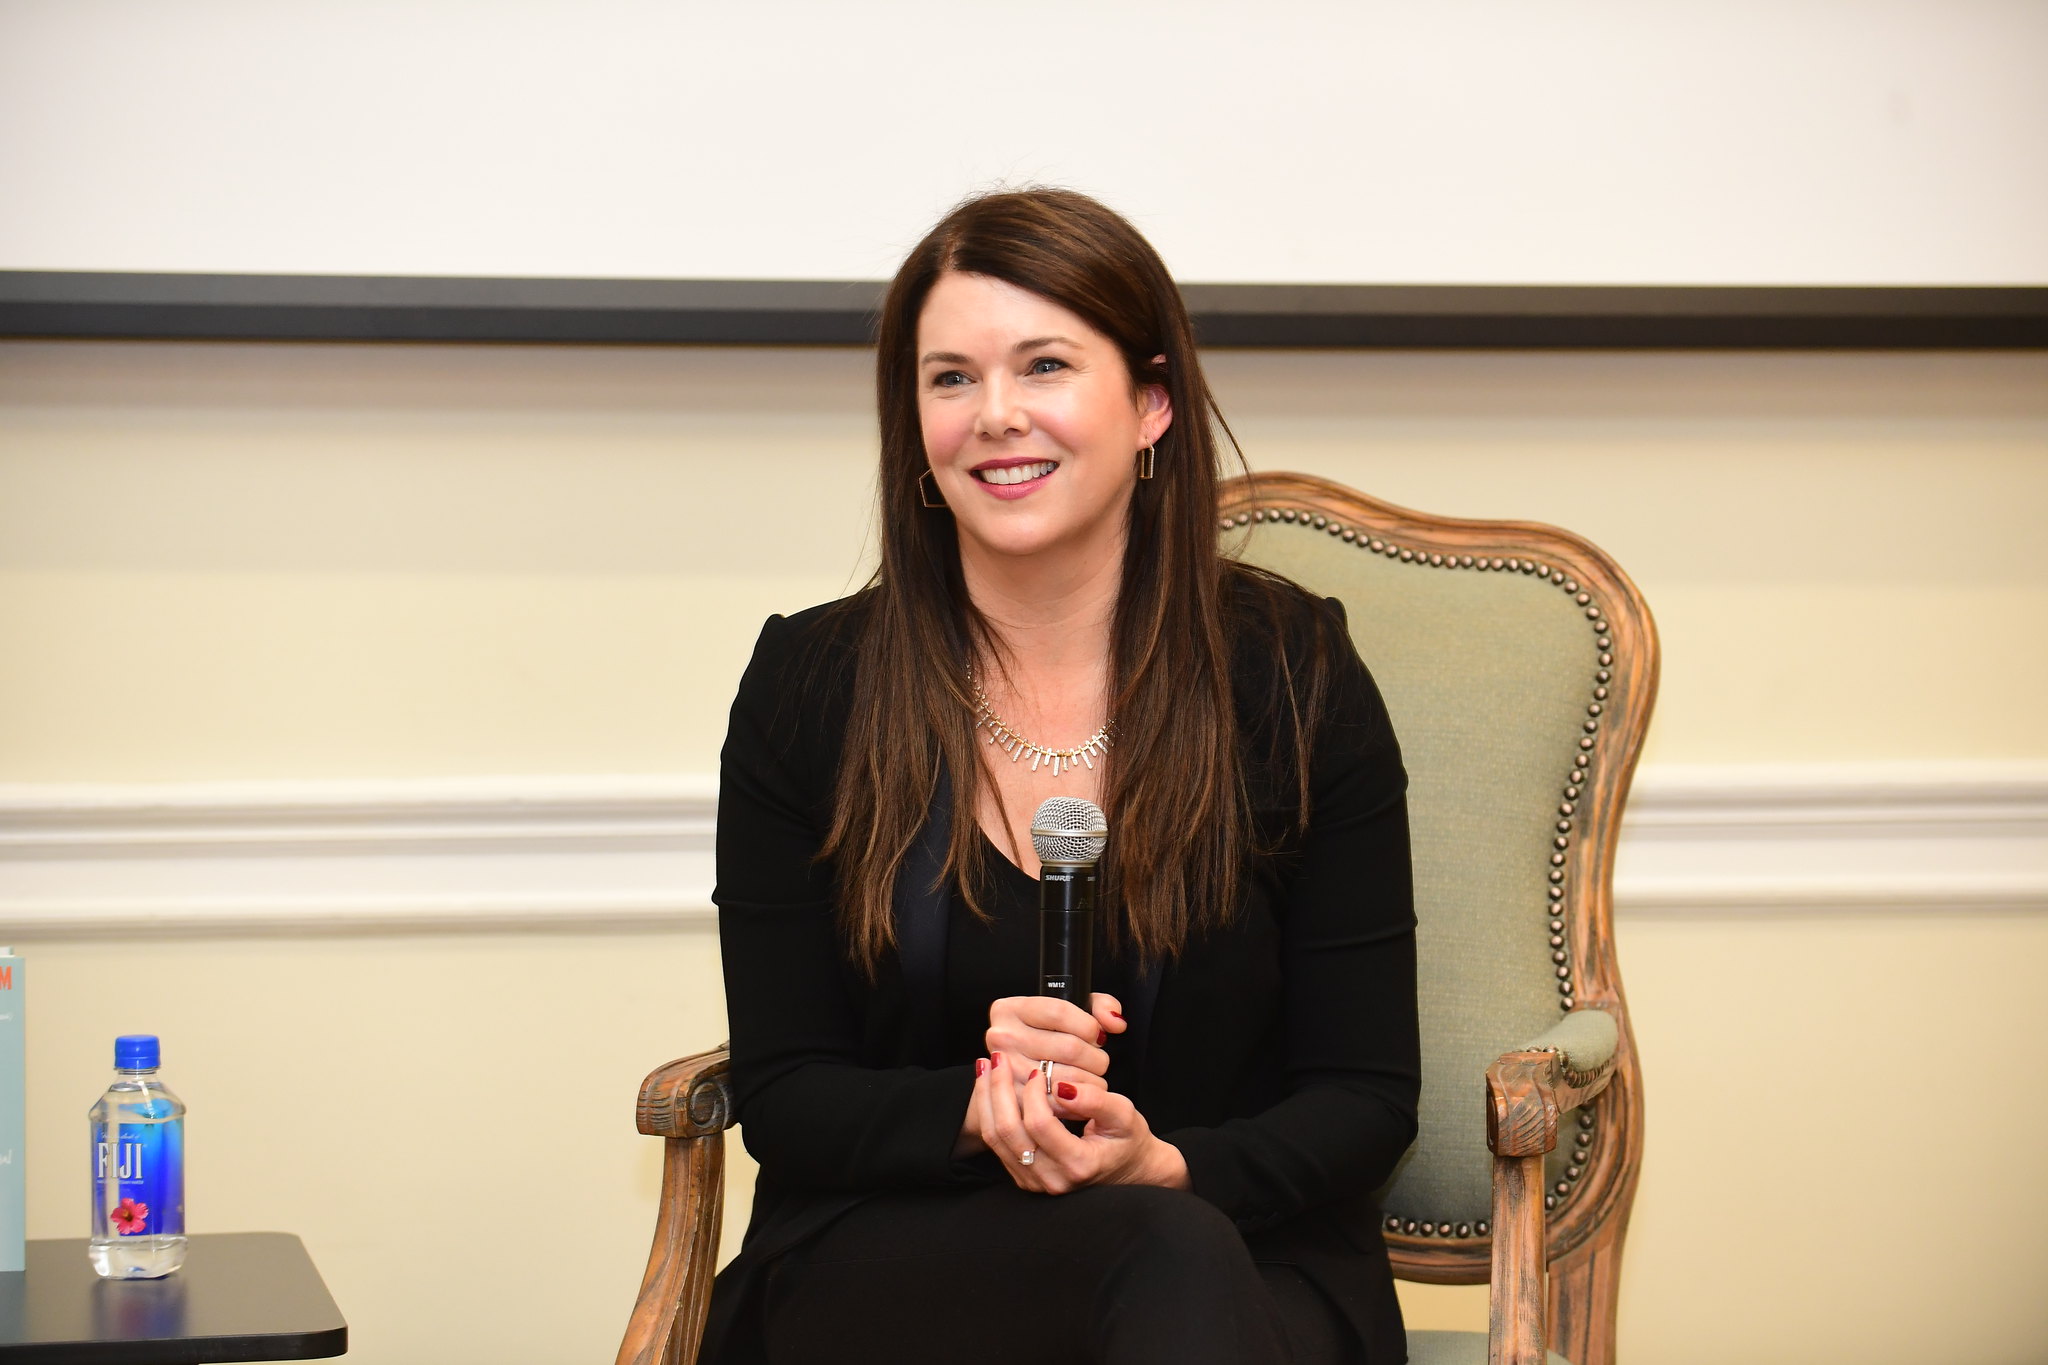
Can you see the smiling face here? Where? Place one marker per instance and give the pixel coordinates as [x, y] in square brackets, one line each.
[1030, 421]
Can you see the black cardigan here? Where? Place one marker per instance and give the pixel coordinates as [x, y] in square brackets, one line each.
[1279, 1054]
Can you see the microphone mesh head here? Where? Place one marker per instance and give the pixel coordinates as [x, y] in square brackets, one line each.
[1067, 829]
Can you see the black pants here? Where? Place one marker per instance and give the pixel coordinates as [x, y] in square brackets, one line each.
[1105, 1276]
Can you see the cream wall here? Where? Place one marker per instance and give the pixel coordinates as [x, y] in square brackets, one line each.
[238, 561]
[316, 562]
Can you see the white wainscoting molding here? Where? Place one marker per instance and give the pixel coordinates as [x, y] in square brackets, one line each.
[632, 852]
[500, 853]
[1835, 837]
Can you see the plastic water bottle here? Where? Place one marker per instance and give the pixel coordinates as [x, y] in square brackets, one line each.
[138, 1168]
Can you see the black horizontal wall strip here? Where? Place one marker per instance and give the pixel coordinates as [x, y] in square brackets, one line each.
[423, 308]
[841, 313]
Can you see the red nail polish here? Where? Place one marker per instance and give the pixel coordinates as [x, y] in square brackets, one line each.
[980, 1066]
[995, 1059]
[1101, 1037]
[1067, 1091]
[1116, 1014]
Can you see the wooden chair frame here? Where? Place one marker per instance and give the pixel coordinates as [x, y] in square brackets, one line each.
[1554, 1272]
[689, 1104]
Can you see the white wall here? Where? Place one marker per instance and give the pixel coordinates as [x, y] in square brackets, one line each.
[1582, 141]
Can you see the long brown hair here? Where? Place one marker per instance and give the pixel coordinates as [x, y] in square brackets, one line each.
[1174, 785]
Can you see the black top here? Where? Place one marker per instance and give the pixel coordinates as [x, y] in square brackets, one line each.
[1280, 1053]
[988, 959]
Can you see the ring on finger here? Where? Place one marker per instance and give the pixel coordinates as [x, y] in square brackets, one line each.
[1026, 1157]
[1045, 1071]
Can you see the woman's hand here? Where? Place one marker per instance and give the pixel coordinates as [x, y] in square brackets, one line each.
[1116, 1147]
[1030, 1029]
[1027, 1030]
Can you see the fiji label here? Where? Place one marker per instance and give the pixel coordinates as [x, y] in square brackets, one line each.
[146, 1171]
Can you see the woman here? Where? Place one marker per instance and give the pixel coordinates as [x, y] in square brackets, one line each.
[953, 1169]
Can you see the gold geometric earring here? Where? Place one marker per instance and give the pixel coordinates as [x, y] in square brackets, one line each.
[928, 493]
[1147, 459]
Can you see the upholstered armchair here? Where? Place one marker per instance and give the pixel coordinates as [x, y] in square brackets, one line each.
[1520, 665]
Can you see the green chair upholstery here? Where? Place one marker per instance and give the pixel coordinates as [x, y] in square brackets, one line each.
[1457, 1348]
[1518, 665]
[1488, 677]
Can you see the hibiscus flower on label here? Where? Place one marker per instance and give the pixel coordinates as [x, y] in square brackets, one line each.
[128, 1217]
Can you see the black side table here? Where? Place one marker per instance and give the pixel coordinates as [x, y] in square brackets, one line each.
[240, 1296]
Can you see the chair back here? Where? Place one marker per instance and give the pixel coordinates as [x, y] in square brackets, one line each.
[1519, 664]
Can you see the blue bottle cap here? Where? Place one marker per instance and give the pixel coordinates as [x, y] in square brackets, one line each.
[136, 1052]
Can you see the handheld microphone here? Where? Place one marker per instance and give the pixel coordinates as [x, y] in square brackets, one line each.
[1069, 834]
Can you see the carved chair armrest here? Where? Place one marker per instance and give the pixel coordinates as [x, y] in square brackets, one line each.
[689, 1103]
[1529, 1088]
[1527, 1091]
[689, 1097]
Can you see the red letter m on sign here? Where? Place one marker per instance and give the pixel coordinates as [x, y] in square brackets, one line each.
[7, 977]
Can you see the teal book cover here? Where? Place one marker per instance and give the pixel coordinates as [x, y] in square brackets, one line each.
[13, 1115]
